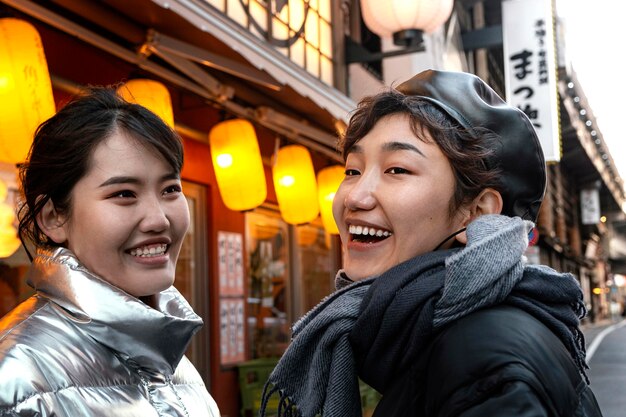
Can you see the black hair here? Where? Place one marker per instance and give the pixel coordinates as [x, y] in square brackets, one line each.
[467, 151]
[64, 144]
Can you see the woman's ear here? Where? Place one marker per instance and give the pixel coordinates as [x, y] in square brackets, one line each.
[52, 223]
[489, 201]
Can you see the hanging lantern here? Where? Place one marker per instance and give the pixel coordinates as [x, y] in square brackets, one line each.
[152, 95]
[405, 20]
[328, 180]
[25, 90]
[237, 164]
[9, 241]
[3, 190]
[7, 216]
[294, 182]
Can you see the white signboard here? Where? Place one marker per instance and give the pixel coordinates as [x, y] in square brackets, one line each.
[590, 206]
[530, 68]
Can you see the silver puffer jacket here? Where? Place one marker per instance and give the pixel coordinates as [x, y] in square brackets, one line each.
[81, 347]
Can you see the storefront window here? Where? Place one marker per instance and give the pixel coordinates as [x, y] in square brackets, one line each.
[315, 270]
[291, 269]
[268, 318]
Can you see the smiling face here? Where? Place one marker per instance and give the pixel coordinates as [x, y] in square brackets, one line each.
[128, 217]
[394, 202]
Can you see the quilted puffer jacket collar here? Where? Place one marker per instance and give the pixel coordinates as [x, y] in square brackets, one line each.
[152, 338]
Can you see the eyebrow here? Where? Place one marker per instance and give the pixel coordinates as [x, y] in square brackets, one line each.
[135, 180]
[390, 147]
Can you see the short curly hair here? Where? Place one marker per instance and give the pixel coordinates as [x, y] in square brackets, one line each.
[466, 150]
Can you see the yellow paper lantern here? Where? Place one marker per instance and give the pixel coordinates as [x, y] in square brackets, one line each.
[328, 181]
[3, 190]
[9, 241]
[151, 94]
[294, 182]
[7, 216]
[26, 98]
[238, 165]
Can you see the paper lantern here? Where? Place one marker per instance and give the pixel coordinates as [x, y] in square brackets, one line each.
[9, 242]
[151, 94]
[3, 190]
[238, 165]
[294, 182]
[7, 216]
[395, 17]
[25, 89]
[328, 181]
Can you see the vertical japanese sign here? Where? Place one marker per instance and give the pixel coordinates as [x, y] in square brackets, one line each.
[230, 263]
[590, 205]
[232, 314]
[530, 68]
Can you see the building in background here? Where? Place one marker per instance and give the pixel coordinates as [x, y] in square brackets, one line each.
[294, 70]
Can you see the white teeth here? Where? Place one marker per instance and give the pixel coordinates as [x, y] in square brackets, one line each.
[360, 230]
[150, 250]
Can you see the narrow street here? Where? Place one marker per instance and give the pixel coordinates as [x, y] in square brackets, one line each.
[606, 356]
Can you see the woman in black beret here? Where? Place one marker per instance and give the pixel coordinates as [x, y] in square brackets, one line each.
[436, 307]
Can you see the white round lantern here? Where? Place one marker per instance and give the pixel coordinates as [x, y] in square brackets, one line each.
[405, 20]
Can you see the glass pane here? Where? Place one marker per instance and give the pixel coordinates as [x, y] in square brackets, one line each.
[327, 71]
[258, 13]
[324, 9]
[218, 4]
[312, 32]
[315, 266]
[280, 31]
[268, 321]
[283, 14]
[326, 39]
[297, 52]
[312, 60]
[237, 12]
[296, 15]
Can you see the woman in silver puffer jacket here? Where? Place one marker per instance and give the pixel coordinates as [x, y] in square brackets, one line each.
[105, 333]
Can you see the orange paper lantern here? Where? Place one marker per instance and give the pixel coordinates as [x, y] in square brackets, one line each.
[295, 185]
[238, 165]
[25, 89]
[151, 94]
[328, 181]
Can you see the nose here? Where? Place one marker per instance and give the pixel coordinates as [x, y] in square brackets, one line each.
[155, 218]
[361, 194]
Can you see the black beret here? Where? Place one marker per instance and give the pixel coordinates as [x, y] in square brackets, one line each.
[472, 103]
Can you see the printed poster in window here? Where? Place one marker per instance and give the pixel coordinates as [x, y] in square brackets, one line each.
[230, 260]
[232, 349]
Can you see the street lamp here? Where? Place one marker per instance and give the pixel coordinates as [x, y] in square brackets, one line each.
[403, 20]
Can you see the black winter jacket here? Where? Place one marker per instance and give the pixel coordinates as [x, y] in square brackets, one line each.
[496, 362]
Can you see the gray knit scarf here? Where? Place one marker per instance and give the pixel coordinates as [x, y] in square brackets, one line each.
[375, 328]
